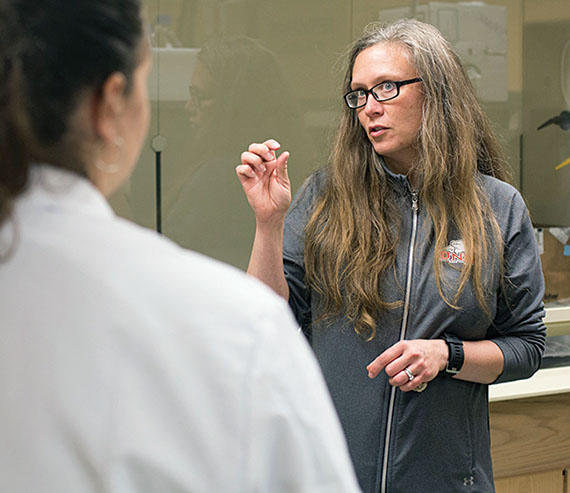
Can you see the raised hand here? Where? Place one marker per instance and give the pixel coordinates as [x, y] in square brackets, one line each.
[265, 182]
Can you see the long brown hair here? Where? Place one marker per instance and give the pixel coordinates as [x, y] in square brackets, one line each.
[351, 237]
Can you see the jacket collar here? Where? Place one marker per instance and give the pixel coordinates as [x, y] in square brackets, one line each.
[399, 178]
[55, 189]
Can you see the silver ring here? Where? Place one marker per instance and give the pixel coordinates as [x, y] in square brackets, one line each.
[409, 373]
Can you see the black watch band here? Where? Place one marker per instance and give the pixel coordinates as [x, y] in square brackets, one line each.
[456, 355]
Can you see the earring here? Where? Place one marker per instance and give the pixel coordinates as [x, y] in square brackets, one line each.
[111, 167]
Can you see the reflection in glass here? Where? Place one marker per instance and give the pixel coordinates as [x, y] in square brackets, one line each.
[238, 95]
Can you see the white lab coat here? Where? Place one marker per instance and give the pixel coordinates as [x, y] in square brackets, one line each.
[130, 365]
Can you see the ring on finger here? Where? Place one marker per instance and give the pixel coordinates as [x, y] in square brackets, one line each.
[409, 373]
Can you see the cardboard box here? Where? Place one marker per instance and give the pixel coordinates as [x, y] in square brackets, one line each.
[554, 245]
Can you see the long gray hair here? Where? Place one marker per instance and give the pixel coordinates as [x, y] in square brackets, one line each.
[350, 237]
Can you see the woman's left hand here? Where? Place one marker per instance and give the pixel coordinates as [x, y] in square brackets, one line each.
[410, 363]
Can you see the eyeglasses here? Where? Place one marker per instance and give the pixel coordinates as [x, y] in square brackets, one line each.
[384, 91]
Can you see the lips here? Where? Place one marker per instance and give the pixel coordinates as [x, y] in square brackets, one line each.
[376, 130]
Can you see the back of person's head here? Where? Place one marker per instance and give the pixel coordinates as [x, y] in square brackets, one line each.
[51, 53]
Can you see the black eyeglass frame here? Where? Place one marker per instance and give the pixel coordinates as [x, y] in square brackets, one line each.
[397, 83]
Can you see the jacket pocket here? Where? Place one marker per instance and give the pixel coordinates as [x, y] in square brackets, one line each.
[436, 435]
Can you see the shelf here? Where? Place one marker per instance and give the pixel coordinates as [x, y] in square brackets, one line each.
[544, 382]
[557, 321]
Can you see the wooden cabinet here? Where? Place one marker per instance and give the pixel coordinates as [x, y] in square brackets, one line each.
[544, 482]
[530, 444]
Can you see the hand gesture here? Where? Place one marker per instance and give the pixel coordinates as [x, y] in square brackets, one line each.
[411, 363]
[265, 182]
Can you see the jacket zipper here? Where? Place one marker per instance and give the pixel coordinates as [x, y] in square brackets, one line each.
[402, 335]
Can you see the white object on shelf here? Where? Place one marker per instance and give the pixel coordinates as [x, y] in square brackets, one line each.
[557, 314]
[544, 382]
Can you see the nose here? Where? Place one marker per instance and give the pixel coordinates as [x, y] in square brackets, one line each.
[373, 107]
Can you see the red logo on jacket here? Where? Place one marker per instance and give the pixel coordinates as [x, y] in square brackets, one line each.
[454, 253]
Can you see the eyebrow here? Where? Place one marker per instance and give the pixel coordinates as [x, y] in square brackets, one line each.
[383, 78]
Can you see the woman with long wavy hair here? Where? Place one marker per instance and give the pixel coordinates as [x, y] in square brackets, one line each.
[408, 261]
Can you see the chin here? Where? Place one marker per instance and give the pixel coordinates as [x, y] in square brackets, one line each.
[381, 150]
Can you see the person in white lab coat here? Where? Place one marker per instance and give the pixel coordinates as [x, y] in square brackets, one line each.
[126, 363]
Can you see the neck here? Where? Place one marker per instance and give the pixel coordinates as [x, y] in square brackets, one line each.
[405, 169]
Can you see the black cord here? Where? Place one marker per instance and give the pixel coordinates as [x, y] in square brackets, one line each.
[158, 163]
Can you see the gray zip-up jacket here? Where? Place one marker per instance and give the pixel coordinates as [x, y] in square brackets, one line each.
[436, 441]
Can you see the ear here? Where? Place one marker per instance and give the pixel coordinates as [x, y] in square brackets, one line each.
[108, 106]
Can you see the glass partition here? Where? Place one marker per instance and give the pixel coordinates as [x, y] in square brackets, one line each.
[230, 72]
[225, 74]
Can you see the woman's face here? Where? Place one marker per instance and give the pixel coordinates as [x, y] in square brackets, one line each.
[200, 100]
[391, 126]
